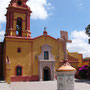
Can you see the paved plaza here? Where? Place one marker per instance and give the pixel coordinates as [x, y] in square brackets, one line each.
[44, 85]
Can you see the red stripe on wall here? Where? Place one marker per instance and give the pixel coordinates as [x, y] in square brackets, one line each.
[24, 78]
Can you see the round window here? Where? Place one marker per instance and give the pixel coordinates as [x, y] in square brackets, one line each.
[19, 3]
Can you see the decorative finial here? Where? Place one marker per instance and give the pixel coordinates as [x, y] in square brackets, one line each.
[45, 32]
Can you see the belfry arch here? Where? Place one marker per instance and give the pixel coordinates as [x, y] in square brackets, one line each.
[19, 27]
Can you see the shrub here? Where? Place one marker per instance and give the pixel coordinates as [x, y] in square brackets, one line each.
[83, 72]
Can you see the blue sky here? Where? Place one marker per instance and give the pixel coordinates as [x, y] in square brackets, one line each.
[66, 15]
[69, 15]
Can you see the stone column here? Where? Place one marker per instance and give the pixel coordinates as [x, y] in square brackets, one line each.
[8, 71]
[54, 72]
[40, 72]
[65, 77]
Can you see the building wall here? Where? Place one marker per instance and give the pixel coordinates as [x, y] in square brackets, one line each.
[86, 63]
[78, 56]
[37, 43]
[23, 59]
[1, 60]
[29, 50]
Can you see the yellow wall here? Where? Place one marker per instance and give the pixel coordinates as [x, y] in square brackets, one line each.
[86, 62]
[37, 43]
[29, 49]
[23, 59]
[77, 56]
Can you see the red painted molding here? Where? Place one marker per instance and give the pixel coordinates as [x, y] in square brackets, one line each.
[70, 61]
[86, 61]
[15, 37]
[44, 36]
[25, 78]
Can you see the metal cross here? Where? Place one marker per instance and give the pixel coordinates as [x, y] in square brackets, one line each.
[45, 28]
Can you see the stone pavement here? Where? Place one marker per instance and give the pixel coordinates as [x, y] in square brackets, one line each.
[46, 85]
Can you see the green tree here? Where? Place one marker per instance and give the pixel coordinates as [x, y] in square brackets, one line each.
[87, 30]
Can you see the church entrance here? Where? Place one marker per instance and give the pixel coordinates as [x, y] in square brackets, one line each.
[46, 74]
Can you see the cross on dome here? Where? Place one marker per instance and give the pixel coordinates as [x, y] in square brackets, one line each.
[45, 28]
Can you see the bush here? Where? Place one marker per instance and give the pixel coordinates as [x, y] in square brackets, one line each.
[84, 72]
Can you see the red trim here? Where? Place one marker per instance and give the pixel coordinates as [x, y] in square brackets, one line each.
[86, 61]
[19, 41]
[15, 31]
[44, 36]
[16, 70]
[25, 78]
[15, 37]
[70, 61]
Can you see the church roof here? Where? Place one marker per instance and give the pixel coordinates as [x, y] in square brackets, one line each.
[71, 59]
[44, 36]
[15, 37]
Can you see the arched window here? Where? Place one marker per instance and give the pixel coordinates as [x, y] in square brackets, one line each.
[19, 27]
[18, 71]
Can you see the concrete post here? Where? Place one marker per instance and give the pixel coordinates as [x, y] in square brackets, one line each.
[8, 71]
[65, 77]
[8, 74]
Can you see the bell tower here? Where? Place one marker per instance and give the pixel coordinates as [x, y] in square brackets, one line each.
[18, 19]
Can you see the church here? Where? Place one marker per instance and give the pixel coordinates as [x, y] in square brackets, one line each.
[23, 58]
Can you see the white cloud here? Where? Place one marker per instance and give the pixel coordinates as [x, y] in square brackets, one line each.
[39, 8]
[0, 25]
[2, 35]
[3, 5]
[79, 43]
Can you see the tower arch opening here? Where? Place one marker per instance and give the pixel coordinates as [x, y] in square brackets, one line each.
[19, 27]
[19, 2]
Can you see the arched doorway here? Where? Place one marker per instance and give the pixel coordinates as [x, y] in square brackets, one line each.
[46, 74]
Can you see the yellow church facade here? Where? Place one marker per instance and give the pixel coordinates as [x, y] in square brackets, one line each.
[31, 59]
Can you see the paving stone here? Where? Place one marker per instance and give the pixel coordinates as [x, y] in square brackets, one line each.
[42, 85]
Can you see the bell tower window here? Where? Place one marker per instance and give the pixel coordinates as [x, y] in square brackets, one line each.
[19, 3]
[19, 27]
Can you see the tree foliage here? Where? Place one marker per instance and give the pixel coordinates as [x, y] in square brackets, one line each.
[87, 30]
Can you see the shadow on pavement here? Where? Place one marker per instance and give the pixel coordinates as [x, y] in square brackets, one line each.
[82, 81]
